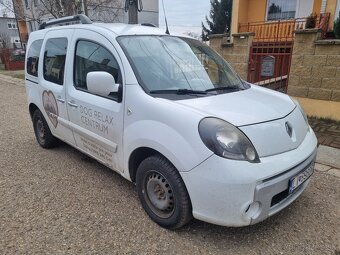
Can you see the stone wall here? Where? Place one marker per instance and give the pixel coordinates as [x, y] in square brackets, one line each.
[315, 68]
[236, 53]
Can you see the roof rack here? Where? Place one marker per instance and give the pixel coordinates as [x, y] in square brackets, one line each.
[80, 17]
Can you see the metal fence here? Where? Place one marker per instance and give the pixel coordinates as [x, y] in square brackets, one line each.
[13, 59]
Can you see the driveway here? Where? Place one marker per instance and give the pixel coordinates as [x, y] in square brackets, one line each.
[60, 201]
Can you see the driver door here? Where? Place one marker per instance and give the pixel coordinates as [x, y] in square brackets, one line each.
[97, 121]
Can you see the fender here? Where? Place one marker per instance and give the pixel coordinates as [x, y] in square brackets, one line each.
[166, 140]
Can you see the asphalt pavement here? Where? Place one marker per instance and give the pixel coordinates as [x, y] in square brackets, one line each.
[60, 201]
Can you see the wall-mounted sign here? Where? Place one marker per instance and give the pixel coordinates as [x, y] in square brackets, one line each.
[267, 66]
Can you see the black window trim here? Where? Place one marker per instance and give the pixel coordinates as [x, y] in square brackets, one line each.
[43, 74]
[120, 90]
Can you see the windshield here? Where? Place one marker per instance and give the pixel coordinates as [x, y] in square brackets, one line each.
[172, 64]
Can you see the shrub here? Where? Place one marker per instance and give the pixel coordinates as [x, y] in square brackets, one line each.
[311, 20]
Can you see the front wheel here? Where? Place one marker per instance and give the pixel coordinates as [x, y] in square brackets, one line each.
[162, 192]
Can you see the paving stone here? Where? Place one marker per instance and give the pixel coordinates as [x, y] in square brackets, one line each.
[328, 156]
[334, 172]
[321, 168]
[327, 132]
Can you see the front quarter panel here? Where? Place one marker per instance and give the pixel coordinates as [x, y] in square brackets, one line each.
[164, 126]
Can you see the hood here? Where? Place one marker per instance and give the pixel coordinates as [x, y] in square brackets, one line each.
[245, 107]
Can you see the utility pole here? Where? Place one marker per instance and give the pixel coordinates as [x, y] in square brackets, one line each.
[133, 11]
[84, 7]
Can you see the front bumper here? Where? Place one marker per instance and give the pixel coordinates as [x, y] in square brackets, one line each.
[239, 193]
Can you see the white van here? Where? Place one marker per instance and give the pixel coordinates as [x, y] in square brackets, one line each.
[171, 115]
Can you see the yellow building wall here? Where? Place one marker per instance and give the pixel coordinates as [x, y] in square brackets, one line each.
[257, 10]
[245, 11]
[317, 6]
[331, 7]
[320, 108]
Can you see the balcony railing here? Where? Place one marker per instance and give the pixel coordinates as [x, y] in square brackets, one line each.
[282, 29]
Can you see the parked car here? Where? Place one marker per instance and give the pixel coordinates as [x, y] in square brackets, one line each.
[170, 115]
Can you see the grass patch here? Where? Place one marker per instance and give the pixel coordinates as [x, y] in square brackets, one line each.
[20, 74]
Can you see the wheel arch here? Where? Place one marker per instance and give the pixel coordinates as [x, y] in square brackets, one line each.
[32, 108]
[137, 156]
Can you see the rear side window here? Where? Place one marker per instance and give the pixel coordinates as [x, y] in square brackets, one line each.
[33, 58]
[54, 60]
[92, 57]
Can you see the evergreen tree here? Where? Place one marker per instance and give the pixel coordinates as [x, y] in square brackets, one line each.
[220, 18]
[337, 27]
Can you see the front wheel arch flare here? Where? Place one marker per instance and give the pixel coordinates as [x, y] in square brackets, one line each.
[137, 156]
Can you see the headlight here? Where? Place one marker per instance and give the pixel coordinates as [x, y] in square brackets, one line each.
[226, 140]
[301, 110]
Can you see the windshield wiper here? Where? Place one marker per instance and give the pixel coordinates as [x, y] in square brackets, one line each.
[179, 91]
[224, 88]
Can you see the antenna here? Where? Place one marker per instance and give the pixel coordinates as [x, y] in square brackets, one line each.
[166, 21]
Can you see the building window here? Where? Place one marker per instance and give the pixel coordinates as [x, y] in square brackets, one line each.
[281, 9]
[15, 39]
[11, 25]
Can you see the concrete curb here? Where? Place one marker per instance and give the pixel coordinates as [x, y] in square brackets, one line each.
[328, 156]
[328, 160]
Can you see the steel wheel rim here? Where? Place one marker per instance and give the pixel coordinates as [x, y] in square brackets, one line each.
[158, 194]
[40, 129]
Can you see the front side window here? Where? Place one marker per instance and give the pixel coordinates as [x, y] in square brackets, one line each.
[281, 9]
[54, 60]
[91, 57]
[172, 64]
[33, 58]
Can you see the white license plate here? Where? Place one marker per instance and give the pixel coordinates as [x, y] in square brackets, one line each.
[300, 178]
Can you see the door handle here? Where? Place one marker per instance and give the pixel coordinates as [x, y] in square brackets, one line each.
[72, 104]
[59, 99]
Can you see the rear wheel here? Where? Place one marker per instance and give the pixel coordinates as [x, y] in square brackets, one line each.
[162, 193]
[42, 131]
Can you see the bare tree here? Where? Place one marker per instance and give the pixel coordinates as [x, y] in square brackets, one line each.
[5, 40]
[39, 10]
[104, 10]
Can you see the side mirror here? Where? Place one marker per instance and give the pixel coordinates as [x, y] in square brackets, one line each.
[101, 83]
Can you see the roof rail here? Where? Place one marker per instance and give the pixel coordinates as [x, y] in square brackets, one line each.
[148, 25]
[80, 17]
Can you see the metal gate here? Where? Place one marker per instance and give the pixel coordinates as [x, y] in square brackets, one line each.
[271, 51]
[269, 64]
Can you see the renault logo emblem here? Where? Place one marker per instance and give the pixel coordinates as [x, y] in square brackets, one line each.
[289, 129]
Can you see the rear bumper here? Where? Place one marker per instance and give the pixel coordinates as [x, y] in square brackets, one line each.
[238, 193]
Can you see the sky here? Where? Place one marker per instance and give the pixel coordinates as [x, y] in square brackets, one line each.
[184, 15]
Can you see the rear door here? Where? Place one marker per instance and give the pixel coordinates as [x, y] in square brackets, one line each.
[54, 60]
[97, 121]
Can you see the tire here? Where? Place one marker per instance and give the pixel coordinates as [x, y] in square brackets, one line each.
[42, 131]
[162, 193]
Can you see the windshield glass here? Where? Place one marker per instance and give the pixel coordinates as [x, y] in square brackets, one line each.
[166, 63]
